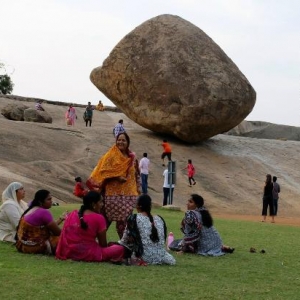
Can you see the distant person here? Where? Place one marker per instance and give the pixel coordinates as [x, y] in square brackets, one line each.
[275, 192]
[268, 199]
[83, 237]
[191, 172]
[88, 114]
[71, 115]
[79, 189]
[144, 170]
[200, 236]
[100, 106]
[119, 128]
[38, 232]
[145, 235]
[166, 188]
[11, 211]
[38, 105]
[166, 152]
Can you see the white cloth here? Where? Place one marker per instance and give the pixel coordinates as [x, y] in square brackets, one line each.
[10, 212]
[144, 165]
[166, 184]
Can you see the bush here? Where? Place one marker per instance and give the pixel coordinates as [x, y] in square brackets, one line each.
[6, 84]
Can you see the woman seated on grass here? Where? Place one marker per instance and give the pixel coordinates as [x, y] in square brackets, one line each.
[11, 211]
[83, 236]
[200, 236]
[145, 235]
[37, 231]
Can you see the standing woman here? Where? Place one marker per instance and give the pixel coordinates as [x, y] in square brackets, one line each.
[117, 177]
[37, 232]
[268, 199]
[191, 172]
[71, 115]
[11, 211]
[88, 114]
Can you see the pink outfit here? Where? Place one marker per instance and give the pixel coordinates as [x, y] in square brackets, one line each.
[71, 115]
[80, 244]
[39, 217]
[191, 170]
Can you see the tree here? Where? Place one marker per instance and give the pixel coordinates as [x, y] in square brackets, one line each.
[6, 84]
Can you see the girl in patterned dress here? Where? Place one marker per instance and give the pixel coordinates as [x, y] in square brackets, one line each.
[145, 235]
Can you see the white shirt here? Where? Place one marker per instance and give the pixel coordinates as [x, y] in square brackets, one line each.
[166, 184]
[144, 165]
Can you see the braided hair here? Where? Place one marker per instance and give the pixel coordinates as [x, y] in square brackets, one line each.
[89, 200]
[207, 219]
[144, 204]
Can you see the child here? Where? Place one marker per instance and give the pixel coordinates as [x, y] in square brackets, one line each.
[79, 189]
[191, 172]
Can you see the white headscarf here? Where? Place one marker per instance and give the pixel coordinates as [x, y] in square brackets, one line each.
[10, 193]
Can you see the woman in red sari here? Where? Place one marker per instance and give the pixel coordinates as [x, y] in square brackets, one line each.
[116, 176]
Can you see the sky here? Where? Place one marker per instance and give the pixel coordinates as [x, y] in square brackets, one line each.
[50, 47]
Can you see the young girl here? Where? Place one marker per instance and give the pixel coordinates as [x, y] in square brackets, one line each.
[191, 172]
[79, 189]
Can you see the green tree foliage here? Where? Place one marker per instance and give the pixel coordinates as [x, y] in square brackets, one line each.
[6, 84]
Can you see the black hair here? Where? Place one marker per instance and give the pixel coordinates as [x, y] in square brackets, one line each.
[207, 219]
[274, 178]
[121, 121]
[78, 179]
[39, 198]
[145, 154]
[268, 179]
[189, 161]
[89, 199]
[126, 137]
[144, 204]
[165, 141]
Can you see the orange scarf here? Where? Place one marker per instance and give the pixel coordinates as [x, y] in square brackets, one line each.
[111, 165]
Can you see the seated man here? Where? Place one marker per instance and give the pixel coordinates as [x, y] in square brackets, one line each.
[100, 106]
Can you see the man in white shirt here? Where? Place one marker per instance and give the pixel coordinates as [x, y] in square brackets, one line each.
[144, 169]
[166, 188]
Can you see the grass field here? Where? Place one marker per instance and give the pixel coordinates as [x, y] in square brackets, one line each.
[242, 275]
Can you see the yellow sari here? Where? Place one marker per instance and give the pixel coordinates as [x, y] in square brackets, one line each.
[119, 197]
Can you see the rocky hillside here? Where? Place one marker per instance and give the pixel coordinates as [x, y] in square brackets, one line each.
[230, 170]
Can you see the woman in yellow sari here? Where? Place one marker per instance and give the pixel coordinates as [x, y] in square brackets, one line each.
[116, 176]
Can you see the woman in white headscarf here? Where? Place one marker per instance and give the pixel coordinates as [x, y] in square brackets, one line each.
[11, 211]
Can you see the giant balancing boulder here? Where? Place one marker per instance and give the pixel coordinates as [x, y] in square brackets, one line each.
[168, 76]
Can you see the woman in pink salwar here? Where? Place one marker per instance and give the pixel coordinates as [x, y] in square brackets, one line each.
[71, 115]
[83, 236]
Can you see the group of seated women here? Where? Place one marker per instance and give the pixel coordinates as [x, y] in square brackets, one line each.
[83, 237]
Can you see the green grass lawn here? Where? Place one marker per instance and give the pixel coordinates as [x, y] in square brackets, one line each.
[242, 275]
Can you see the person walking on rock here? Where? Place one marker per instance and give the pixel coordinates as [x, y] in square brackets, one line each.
[144, 170]
[167, 152]
[191, 172]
